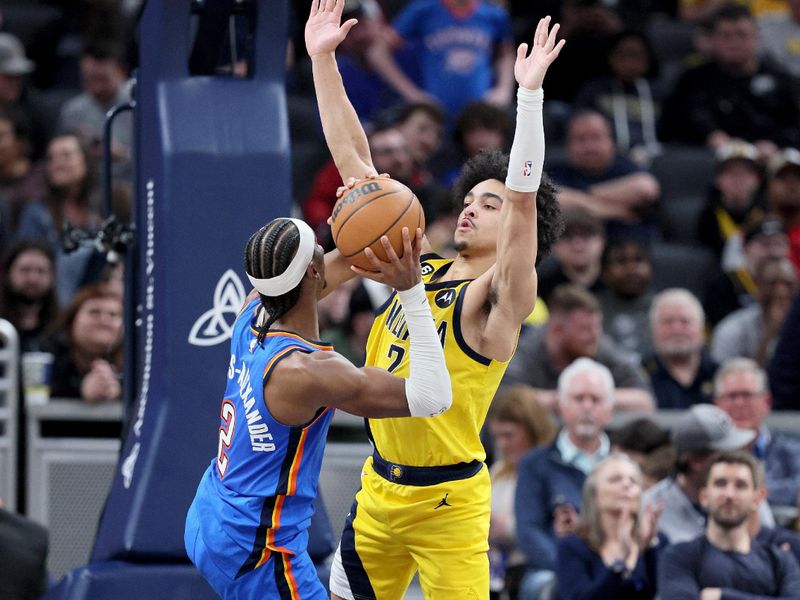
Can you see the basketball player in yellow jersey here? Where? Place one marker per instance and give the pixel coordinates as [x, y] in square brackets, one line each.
[425, 496]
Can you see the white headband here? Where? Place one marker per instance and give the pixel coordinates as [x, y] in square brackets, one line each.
[288, 280]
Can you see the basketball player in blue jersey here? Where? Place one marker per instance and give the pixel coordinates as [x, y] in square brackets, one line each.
[246, 530]
[425, 495]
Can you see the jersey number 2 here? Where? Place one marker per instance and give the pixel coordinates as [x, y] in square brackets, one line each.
[227, 414]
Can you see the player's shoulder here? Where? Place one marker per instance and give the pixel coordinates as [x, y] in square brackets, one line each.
[308, 367]
[433, 266]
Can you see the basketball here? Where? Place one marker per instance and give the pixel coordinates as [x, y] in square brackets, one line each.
[371, 209]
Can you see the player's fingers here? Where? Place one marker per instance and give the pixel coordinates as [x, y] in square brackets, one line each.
[389, 250]
[538, 33]
[543, 31]
[351, 181]
[522, 51]
[346, 27]
[374, 275]
[408, 252]
[417, 250]
[379, 264]
[330, 5]
[557, 50]
[551, 39]
[314, 8]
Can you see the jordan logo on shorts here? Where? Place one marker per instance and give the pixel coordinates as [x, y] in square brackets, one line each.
[444, 502]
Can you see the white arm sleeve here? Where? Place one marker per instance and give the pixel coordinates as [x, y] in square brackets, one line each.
[428, 388]
[526, 160]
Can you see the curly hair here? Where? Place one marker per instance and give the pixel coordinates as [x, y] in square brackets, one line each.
[492, 164]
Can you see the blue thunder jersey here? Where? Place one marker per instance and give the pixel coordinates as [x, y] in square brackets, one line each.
[256, 497]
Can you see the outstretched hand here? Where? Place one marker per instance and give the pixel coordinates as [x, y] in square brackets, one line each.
[323, 32]
[400, 273]
[530, 70]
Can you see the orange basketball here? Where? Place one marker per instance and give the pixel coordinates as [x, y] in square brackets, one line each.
[371, 209]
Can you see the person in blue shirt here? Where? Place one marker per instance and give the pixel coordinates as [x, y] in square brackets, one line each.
[247, 528]
[464, 51]
[614, 551]
[606, 184]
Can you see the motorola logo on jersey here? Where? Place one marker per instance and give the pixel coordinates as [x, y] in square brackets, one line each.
[216, 324]
[427, 268]
[445, 298]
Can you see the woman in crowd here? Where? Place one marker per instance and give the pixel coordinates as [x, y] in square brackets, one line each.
[71, 199]
[614, 552]
[517, 422]
[88, 346]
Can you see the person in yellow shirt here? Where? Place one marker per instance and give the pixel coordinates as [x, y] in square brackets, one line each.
[424, 503]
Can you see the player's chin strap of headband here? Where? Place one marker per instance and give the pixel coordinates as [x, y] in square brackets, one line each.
[288, 280]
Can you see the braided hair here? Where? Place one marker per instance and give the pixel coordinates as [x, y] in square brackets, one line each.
[268, 253]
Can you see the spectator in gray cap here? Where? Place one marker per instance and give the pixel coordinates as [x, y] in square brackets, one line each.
[14, 65]
[700, 432]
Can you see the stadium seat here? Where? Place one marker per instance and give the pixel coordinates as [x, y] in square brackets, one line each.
[681, 265]
[677, 218]
[683, 171]
[671, 40]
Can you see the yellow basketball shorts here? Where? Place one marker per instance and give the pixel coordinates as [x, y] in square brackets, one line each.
[395, 529]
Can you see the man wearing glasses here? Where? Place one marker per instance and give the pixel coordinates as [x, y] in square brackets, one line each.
[741, 390]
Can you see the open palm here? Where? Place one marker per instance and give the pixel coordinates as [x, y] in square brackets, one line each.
[530, 70]
[323, 32]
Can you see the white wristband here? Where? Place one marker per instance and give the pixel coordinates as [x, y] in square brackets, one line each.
[428, 390]
[527, 152]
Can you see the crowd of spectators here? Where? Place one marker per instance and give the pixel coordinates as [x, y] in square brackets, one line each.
[673, 134]
[62, 67]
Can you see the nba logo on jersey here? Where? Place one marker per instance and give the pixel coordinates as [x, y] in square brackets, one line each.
[527, 168]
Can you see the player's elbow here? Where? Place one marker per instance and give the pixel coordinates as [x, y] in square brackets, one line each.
[429, 399]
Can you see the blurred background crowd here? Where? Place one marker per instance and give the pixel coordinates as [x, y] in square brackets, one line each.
[673, 134]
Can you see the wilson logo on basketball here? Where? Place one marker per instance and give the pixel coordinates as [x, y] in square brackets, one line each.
[367, 188]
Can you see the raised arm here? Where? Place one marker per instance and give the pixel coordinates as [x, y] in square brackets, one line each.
[510, 287]
[344, 135]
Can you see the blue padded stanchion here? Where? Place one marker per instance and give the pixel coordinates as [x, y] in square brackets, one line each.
[212, 166]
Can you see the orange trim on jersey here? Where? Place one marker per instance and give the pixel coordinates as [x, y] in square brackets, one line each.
[319, 416]
[294, 336]
[287, 569]
[270, 545]
[277, 357]
[301, 338]
[295, 468]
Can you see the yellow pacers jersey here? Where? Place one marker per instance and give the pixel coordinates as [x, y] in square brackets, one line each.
[453, 436]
